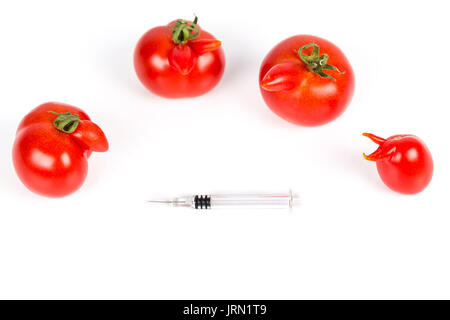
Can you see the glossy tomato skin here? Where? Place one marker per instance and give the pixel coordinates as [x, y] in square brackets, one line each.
[50, 162]
[312, 100]
[404, 163]
[153, 68]
[48, 168]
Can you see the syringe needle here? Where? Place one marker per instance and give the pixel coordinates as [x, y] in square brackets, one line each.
[161, 201]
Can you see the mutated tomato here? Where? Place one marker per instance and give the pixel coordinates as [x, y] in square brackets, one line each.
[404, 162]
[52, 146]
[179, 60]
[306, 80]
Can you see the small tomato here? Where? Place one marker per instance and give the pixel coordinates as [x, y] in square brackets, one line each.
[404, 162]
[179, 60]
[306, 80]
[52, 146]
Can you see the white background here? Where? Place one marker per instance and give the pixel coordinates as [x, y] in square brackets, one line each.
[351, 237]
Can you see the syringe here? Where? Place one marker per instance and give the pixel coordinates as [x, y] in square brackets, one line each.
[237, 201]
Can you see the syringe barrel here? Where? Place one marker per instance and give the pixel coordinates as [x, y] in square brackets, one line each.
[252, 201]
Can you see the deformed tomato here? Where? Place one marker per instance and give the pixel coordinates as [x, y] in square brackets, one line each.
[404, 162]
[52, 145]
[306, 80]
[179, 60]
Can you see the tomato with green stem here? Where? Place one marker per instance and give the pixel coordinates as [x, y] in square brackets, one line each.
[306, 80]
[404, 162]
[53, 143]
[179, 60]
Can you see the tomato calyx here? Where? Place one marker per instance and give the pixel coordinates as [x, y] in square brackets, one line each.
[317, 63]
[381, 153]
[66, 122]
[185, 30]
[89, 136]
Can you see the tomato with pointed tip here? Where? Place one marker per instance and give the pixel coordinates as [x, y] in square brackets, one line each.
[306, 80]
[179, 60]
[404, 162]
[53, 143]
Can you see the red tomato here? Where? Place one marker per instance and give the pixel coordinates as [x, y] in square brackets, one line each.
[53, 143]
[179, 60]
[306, 80]
[404, 162]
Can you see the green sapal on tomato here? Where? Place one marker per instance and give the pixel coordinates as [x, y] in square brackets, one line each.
[179, 60]
[306, 80]
[52, 146]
